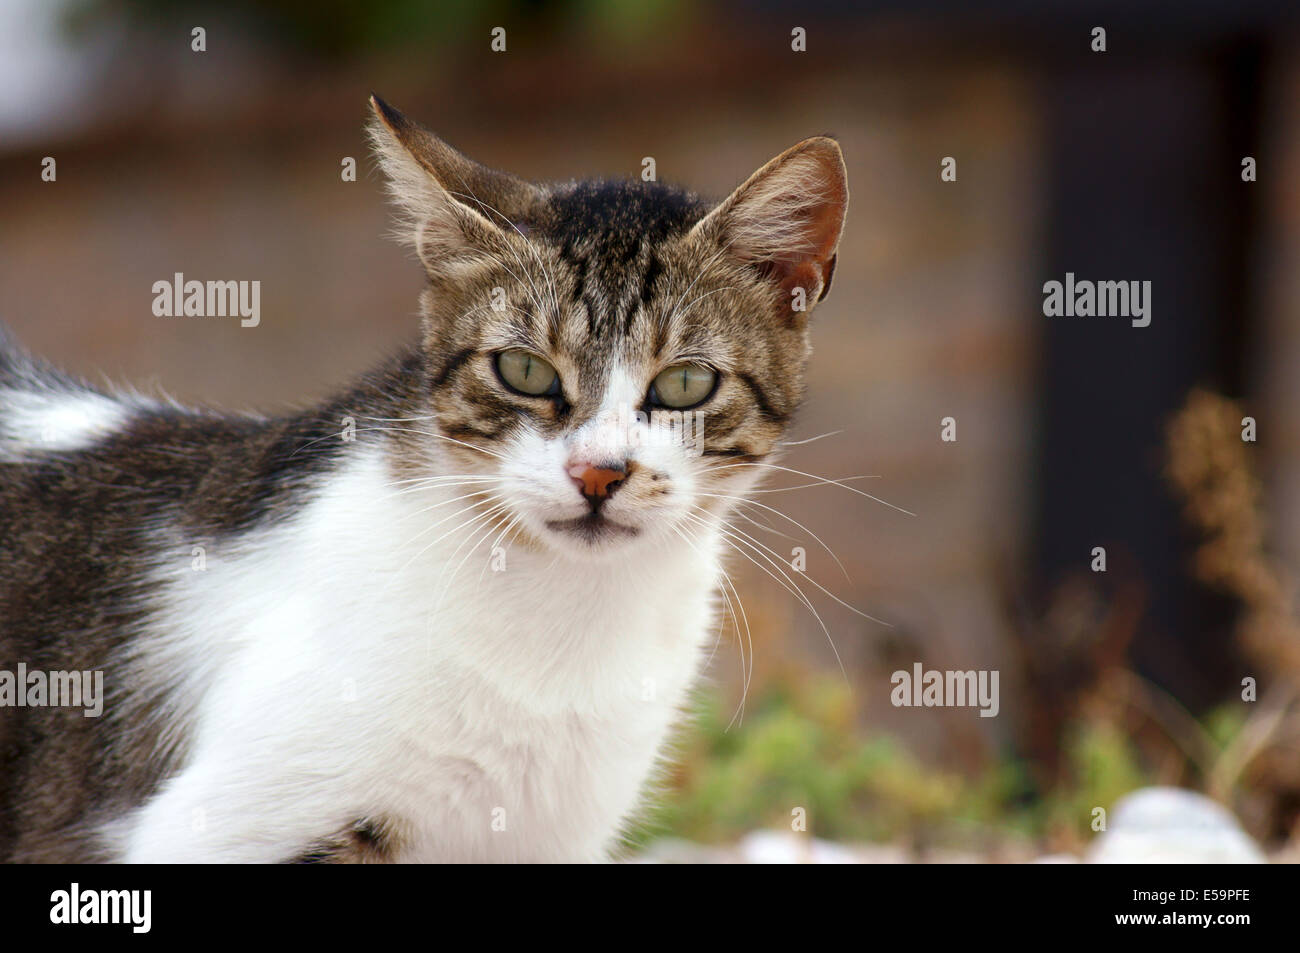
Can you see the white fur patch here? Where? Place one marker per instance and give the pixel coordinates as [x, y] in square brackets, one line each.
[36, 422]
[363, 660]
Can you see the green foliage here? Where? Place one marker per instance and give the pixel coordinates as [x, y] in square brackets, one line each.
[1103, 767]
[798, 748]
[1223, 724]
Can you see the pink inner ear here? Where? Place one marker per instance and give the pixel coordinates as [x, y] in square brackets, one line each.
[808, 266]
[806, 273]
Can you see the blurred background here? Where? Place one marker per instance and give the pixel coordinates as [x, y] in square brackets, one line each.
[1072, 433]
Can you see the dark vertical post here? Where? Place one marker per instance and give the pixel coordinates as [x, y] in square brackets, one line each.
[1143, 161]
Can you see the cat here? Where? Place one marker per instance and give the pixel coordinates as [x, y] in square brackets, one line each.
[308, 653]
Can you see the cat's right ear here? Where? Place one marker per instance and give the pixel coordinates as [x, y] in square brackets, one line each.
[454, 211]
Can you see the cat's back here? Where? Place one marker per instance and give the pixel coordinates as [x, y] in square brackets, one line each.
[66, 493]
[84, 476]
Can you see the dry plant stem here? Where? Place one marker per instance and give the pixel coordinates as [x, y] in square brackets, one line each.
[1163, 709]
[1255, 736]
[1212, 468]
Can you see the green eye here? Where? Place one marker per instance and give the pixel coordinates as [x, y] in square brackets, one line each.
[528, 373]
[682, 385]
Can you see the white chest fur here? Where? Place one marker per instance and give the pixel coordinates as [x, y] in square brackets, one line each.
[342, 670]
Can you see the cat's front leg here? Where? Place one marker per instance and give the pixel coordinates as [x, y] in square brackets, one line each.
[214, 813]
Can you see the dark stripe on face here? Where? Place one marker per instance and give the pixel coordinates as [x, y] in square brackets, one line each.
[465, 431]
[721, 430]
[459, 358]
[633, 284]
[579, 286]
[579, 265]
[629, 308]
[592, 315]
[738, 453]
[652, 272]
[764, 408]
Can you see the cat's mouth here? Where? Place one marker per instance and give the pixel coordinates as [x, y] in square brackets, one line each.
[592, 528]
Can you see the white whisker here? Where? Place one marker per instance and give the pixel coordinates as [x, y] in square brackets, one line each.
[813, 476]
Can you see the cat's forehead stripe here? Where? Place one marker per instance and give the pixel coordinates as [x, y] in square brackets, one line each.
[590, 215]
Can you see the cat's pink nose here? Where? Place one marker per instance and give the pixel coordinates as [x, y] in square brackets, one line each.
[597, 482]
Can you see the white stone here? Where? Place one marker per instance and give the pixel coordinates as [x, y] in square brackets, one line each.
[1172, 826]
[777, 847]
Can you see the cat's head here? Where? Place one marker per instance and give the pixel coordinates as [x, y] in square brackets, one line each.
[614, 359]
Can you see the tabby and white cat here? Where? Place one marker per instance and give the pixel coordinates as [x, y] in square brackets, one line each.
[341, 676]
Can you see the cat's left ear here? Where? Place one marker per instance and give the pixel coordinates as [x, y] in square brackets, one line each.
[786, 219]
